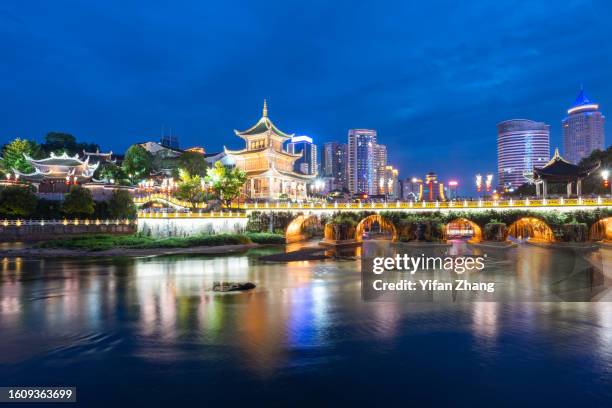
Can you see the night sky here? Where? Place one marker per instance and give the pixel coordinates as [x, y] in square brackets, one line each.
[433, 78]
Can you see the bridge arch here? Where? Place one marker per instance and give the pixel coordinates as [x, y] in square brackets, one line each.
[531, 228]
[464, 228]
[302, 227]
[601, 230]
[368, 222]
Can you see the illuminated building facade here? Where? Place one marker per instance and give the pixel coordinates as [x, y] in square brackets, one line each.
[522, 145]
[56, 174]
[268, 166]
[334, 164]
[388, 182]
[431, 189]
[380, 164]
[362, 161]
[583, 129]
[307, 163]
[410, 188]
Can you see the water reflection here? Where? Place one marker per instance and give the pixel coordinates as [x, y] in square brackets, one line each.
[304, 314]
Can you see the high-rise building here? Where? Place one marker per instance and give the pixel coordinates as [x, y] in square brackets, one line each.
[307, 164]
[334, 164]
[522, 144]
[362, 161]
[583, 129]
[388, 182]
[380, 163]
[411, 188]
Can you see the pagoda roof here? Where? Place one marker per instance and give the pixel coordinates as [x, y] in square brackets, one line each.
[97, 153]
[264, 125]
[62, 160]
[558, 169]
[273, 171]
[263, 149]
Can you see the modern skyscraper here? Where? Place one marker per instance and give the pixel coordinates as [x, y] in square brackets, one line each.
[583, 129]
[380, 163]
[334, 164]
[362, 161]
[388, 182]
[522, 144]
[307, 164]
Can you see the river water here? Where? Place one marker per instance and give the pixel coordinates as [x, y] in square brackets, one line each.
[149, 332]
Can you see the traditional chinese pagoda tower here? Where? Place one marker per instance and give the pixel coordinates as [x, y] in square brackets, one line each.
[269, 167]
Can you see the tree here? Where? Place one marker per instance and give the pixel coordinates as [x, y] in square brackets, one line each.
[59, 142]
[137, 163]
[13, 155]
[78, 202]
[121, 205]
[190, 188]
[193, 163]
[111, 173]
[225, 183]
[17, 201]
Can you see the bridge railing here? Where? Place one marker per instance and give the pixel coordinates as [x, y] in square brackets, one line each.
[457, 204]
[191, 214]
[557, 202]
[27, 223]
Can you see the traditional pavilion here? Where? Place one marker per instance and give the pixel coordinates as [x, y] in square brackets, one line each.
[55, 174]
[268, 166]
[559, 170]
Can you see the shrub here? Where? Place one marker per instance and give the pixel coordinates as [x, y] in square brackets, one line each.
[121, 205]
[78, 202]
[17, 201]
[266, 238]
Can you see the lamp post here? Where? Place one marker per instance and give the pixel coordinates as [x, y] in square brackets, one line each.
[605, 174]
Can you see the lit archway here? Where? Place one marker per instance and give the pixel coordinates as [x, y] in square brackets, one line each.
[463, 228]
[375, 220]
[301, 228]
[601, 230]
[533, 229]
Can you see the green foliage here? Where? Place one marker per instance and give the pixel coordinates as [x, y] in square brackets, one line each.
[260, 221]
[575, 232]
[193, 163]
[190, 188]
[137, 163]
[266, 238]
[104, 242]
[17, 202]
[225, 183]
[111, 173]
[121, 205]
[78, 202]
[495, 231]
[13, 155]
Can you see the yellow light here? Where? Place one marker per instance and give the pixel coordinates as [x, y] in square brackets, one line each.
[582, 107]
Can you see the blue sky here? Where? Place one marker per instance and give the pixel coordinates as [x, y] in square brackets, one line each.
[433, 78]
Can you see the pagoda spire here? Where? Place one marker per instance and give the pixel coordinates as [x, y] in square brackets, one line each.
[265, 109]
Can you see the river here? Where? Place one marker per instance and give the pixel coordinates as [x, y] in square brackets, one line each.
[148, 331]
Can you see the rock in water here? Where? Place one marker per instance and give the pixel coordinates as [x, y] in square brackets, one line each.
[232, 286]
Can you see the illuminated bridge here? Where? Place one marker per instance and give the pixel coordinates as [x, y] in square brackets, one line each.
[525, 218]
[560, 204]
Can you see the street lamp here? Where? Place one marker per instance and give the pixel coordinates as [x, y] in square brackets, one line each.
[605, 174]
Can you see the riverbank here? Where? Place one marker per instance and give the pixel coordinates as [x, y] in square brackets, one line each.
[118, 252]
[136, 245]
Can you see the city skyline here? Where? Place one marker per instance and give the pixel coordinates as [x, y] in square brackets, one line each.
[435, 105]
